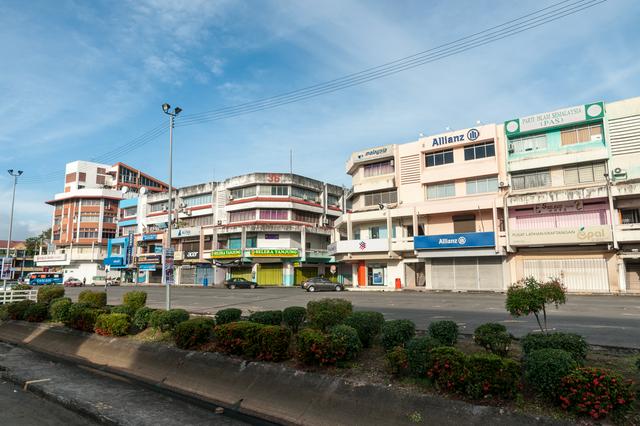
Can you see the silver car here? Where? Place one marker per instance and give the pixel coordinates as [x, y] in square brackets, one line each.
[321, 284]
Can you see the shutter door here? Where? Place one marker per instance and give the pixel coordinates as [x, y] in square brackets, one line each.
[241, 273]
[187, 275]
[466, 273]
[202, 273]
[490, 273]
[633, 276]
[304, 273]
[578, 275]
[442, 275]
[270, 274]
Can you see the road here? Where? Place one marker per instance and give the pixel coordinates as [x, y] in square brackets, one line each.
[602, 320]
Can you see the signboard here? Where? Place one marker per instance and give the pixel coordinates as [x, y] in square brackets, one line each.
[167, 265]
[147, 267]
[185, 232]
[560, 117]
[157, 249]
[577, 235]
[149, 237]
[129, 254]
[373, 153]
[5, 272]
[274, 253]
[61, 257]
[459, 137]
[358, 246]
[113, 261]
[193, 254]
[226, 253]
[449, 241]
[149, 258]
[570, 206]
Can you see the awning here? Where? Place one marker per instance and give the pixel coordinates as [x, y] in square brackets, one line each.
[458, 253]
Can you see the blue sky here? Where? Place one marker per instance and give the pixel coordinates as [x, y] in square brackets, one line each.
[81, 78]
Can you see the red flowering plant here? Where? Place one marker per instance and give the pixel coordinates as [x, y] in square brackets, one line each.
[595, 392]
[447, 369]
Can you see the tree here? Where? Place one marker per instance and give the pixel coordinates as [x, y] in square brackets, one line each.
[33, 243]
[530, 296]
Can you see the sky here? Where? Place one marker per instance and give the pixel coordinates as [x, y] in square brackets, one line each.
[81, 79]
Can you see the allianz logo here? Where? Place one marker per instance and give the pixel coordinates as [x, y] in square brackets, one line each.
[460, 240]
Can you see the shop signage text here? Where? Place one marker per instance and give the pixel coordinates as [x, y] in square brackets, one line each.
[185, 232]
[274, 253]
[572, 206]
[50, 257]
[149, 237]
[191, 254]
[113, 261]
[471, 135]
[226, 254]
[447, 241]
[578, 235]
[372, 154]
[149, 258]
[560, 117]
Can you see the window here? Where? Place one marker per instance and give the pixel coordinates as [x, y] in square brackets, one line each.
[464, 223]
[90, 202]
[198, 220]
[584, 173]
[246, 192]
[157, 207]
[197, 200]
[441, 190]
[87, 233]
[580, 134]
[129, 211]
[528, 143]
[537, 179]
[305, 194]
[376, 198]
[108, 234]
[110, 204]
[380, 168]
[274, 190]
[82, 177]
[482, 150]
[90, 217]
[630, 216]
[266, 214]
[307, 217]
[100, 180]
[101, 170]
[477, 186]
[70, 177]
[439, 158]
[375, 232]
[333, 200]
[109, 219]
[125, 230]
[242, 216]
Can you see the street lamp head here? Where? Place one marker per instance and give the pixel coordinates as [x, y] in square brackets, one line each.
[166, 107]
[177, 110]
[20, 172]
[10, 171]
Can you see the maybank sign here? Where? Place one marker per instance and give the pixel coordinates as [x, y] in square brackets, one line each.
[373, 154]
[448, 241]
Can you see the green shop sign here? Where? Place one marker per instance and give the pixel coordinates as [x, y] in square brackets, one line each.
[557, 118]
[274, 253]
[226, 254]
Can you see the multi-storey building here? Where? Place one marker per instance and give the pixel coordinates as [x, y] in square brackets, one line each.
[85, 215]
[22, 261]
[427, 213]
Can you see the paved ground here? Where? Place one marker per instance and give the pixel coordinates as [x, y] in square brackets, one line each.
[603, 320]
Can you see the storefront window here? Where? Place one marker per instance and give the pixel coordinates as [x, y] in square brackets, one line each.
[376, 274]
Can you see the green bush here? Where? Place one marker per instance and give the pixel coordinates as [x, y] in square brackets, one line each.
[273, 342]
[267, 317]
[16, 310]
[545, 368]
[135, 299]
[193, 333]
[397, 333]
[574, 344]
[367, 324]
[294, 316]
[491, 375]
[239, 338]
[36, 312]
[596, 393]
[447, 369]
[396, 361]
[47, 293]
[225, 316]
[345, 342]
[82, 317]
[94, 299]
[22, 287]
[4, 313]
[445, 332]
[313, 347]
[167, 320]
[493, 337]
[638, 363]
[59, 309]
[142, 317]
[419, 354]
[124, 309]
[112, 324]
[326, 313]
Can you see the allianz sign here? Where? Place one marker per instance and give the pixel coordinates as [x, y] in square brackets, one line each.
[471, 135]
[448, 241]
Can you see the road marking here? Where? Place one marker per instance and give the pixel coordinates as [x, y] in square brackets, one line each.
[28, 382]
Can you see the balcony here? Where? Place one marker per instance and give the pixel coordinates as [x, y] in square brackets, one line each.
[628, 233]
[358, 246]
[554, 195]
[585, 235]
[402, 244]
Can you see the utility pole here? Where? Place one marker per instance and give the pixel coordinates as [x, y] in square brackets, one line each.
[167, 245]
[13, 199]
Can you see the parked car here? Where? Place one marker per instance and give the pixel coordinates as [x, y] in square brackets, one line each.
[321, 284]
[240, 283]
[73, 282]
[113, 281]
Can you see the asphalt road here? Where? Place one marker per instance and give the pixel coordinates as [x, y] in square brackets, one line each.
[602, 320]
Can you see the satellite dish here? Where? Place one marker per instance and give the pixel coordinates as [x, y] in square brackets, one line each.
[124, 189]
[143, 190]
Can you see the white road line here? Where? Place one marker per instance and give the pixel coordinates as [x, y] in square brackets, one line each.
[28, 382]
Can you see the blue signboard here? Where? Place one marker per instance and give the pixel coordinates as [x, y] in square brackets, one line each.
[147, 237]
[448, 241]
[147, 267]
[129, 256]
[114, 261]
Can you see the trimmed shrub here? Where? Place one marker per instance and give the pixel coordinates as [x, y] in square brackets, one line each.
[267, 317]
[273, 342]
[82, 317]
[128, 310]
[491, 375]
[59, 309]
[22, 287]
[396, 361]
[141, 318]
[367, 324]
[4, 313]
[313, 347]
[493, 337]
[397, 333]
[345, 342]
[36, 312]
[112, 324]
[638, 363]
[574, 344]
[445, 332]
[47, 293]
[94, 299]
[135, 299]
[294, 316]
[167, 320]
[326, 313]
[225, 316]
[238, 338]
[193, 333]
[595, 392]
[16, 310]
[419, 353]
[545, 368]
[447, 369]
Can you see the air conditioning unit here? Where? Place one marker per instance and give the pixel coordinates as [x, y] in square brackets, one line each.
[503, 184]
[230, 197]
[325, 221]
[219, 222]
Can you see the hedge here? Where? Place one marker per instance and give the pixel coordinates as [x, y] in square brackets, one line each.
[294, 317]
[396, 361]
[128, 310]
[37, 312]
[273, 343]
[141, 318]
[167, 320]
[345, 342]
[493, 337]
[94, 299]
[447, 369]
[82, 317]
[238, 338]
[418, 353]
[48, 293]
[59, 309]
[397, 333]
[225, 316]
[367, 324]
[267, 317]
[545, 368]
[445, 332]
[326, 313]
[135, 299]
[313, 347]
[16, 310]
[113, 324]
[491, 375]
[572, 343]
[193, 332]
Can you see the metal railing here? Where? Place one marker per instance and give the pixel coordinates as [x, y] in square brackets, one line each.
[17, 295]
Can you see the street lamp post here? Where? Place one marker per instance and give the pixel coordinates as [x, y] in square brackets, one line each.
[13, 199]
[166, 108]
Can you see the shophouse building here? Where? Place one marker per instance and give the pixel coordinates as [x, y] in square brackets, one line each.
[427, 214]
